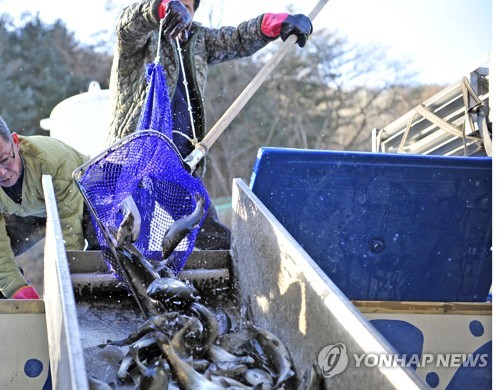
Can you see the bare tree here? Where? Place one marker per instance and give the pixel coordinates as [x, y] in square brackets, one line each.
[328, 95]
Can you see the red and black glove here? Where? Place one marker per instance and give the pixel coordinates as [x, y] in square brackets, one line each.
[177, 17]
[26, 292]
[285, 25]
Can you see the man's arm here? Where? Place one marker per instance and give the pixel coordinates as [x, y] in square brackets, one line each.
[11, 279]
[228, 43]
[135, 24]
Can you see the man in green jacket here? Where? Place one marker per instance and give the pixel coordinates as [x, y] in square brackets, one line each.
[23, 161]
[137, 33]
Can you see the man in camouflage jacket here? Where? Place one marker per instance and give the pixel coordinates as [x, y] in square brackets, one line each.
[137, 41]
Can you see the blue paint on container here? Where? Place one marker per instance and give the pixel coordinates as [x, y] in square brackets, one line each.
[48, 382]
[476, 328]
[476, 373]
[33, 368]
[406, 338]
[378, 224]
[432, 379]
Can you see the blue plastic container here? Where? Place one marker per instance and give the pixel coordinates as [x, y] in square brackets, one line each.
[386, 226]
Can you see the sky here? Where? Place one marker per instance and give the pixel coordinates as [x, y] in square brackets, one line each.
[443, 39]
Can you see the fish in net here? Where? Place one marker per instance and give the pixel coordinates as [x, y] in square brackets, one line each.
[146, 166]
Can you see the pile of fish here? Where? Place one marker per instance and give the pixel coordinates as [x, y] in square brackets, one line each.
[188, 349]
[184, 344]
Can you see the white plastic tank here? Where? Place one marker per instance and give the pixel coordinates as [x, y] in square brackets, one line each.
[82, 121]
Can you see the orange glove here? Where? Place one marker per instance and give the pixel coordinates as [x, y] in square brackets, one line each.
[26, 292]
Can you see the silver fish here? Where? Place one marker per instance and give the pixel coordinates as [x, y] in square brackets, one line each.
[259, 377]
[178, 342]
[227, 364]
[162, 322]
[139, 278]
[172, 288]
[276, 350]
[230, 369]
[199, 365]
[312, 379]
[131, 249]
[210, 325]
[156, 376]
[219, 355]
[139, 274]
[181, 228]
[228, 382]
[124, 233]
[187, 376]
[127, 362]
[145, 347]
[224, 321]
[97, 384]
[235, 342]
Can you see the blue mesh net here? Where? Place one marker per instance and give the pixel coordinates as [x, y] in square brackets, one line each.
[147, 166]
[156, 112]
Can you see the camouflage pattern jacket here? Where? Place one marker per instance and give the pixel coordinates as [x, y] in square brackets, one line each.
[137, 40]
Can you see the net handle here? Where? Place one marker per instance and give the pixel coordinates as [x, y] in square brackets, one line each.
[201, 148]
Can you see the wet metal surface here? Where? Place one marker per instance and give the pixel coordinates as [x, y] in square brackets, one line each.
[106, 319]
[114, 315]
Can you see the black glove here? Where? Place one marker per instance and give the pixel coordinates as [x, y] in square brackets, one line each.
[177, 17]
[285, 24]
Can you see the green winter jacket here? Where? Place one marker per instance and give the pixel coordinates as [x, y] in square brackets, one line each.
[137, 40]
[42, 156]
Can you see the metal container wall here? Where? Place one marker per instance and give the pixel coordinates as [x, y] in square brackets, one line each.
[390, 227]
[23, 345]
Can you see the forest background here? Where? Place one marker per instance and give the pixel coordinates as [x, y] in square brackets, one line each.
[329, 95]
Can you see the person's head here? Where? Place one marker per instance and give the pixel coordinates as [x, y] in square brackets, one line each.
[191, 5]
[10, 162]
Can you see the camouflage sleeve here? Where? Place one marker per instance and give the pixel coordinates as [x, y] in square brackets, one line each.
[228, 43]
[11, 278]
[135, 24]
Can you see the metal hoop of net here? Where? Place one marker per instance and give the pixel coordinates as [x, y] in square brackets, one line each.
[147, 166]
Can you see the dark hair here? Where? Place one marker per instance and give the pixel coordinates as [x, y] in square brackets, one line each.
[4, 130]
[196, 4]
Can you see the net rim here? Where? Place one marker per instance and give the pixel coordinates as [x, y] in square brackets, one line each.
[78, 172]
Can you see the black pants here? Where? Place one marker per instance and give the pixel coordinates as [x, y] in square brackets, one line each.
[213, 234]
[24, 232]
